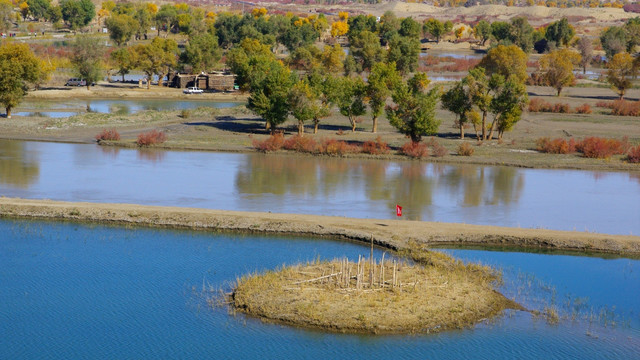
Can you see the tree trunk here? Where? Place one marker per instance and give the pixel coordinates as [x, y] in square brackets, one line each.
[375, 125]
[300, 128]
[462, 131]
[584, 69]
[316, 122]
[267, 125]
[559, 90]
[493, 125]
[88, 85]
[475, 128]
[8, 109]
[122, 77]
[484, 125]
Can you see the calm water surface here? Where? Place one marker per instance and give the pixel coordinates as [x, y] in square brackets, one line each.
[71, 107]
[77, 291]
[503, 196]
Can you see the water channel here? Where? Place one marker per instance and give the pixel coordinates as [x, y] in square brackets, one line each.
[71, 107]
[91, 291]
[504, 196]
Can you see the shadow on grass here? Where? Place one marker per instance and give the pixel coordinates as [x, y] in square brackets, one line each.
[233, 124]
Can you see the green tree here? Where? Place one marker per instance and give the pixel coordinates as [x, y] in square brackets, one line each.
[613, 40]
[143, 18]
[409, 28]
[54, 14]
[436, 28]
[38, 8]
[125, 60]
[201, 53]
[18, 68]
[405, 52]
[560, 32]
[302, 102]
[381, 80]
[482, 31]
[166, 18]
[6, 15]
[77, 13]
[521, 34]
[556, 68]
[414, 112]
[87, 59]
[366, 49]
[121, 27]
[269, 95]
[458, 101]
[508, 61]
[620, 70]
[349, 98]
[323, 87]
[249, 62]
[501, 31]
[332, 59]
[481, 95]
[156, 58]
[389, 26]
[305, 58]
[510, 97]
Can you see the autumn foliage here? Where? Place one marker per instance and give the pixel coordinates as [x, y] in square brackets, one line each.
[152, 137]
[601, 148]
[416, 150]
[108, 134]
[375, 147]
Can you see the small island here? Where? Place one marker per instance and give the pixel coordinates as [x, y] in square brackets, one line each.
[432, 293]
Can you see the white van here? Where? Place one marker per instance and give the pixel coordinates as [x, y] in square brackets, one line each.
[76, 82]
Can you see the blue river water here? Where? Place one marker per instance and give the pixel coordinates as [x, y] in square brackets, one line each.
[74, 291]
[604, 202]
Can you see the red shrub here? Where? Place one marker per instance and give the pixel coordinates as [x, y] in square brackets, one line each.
[151, 138]
[539, 105]
[600, 148]
[337, 147]
[583, 109]
[460, 65]
[272, 143]
[634, 155]
[605, 104]
[375, 147]
[625, 108]
[301, 144]
[415, 150]
[561, 108]
[108, 134]
[555, 146]
[438, 150]
[465, 149]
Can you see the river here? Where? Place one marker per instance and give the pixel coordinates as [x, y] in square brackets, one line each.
[604, 202]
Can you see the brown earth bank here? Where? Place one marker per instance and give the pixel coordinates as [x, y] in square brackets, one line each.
[394, 234]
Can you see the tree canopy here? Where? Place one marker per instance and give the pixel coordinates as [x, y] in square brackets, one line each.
[18, 68]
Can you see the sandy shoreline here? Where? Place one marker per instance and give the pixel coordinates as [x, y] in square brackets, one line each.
[395, 234]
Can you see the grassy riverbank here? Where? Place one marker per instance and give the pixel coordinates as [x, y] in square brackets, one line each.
[236, 129]
[394, 234]
[433, 295]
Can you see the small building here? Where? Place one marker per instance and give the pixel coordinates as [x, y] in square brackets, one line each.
[216, 81]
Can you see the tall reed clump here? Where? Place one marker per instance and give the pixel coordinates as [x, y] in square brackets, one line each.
[416, 150]
[377, 147]
[108, 134]
[152, 137]
[539, 105]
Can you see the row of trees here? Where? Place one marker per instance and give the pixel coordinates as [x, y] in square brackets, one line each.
[495, 89]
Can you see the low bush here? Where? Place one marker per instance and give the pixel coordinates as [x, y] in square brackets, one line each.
[108, 134]
[583, 109]
[274, 142]
[625, 108]
[185, 113]
[555, 146]
[301, 144]
[604, 104]
[633, 156]
[601, 148]
[337, 147]
[152, 137]
[438, 150]
[539, 105]
[460, 65]
[375, 147]
[465, 149]
[415, 150]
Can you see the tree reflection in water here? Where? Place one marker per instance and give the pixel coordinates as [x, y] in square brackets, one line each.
[18, 166]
